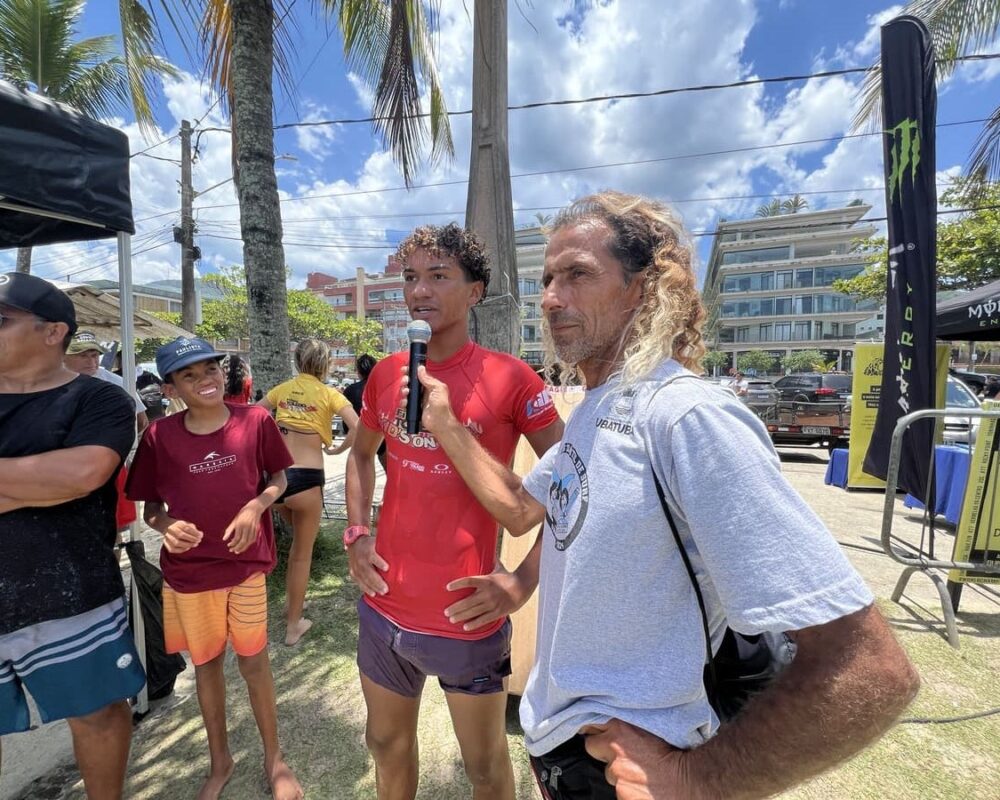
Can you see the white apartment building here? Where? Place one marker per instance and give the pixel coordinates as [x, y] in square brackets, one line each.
[769, 284]
[529, 246]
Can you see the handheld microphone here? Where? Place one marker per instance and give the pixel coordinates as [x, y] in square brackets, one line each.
[419, 333]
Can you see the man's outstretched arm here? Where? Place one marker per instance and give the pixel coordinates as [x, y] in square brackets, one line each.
[849, 682]
[497, 487]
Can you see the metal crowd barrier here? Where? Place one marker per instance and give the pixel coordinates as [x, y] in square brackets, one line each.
[921, 557]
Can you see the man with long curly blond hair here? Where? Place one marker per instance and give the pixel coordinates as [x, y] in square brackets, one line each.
[657, 467]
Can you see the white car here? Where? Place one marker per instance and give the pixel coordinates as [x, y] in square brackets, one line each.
[959, 429]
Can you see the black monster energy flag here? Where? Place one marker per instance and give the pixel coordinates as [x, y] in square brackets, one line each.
[909, 107]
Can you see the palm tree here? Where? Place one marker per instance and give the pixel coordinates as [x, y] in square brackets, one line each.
[246, 43]
[772, 209]
[958, 28]
[794, 204]
[39, 52]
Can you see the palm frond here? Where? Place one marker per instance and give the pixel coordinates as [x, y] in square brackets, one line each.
[984, 163]
[396, 105]
[390, 46]
[443, 147]
[140, 38]
[957, 27]
[98, 91]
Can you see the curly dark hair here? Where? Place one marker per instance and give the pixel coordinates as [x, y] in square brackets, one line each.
[451, 240]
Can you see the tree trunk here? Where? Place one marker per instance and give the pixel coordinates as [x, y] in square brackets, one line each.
[489, 210]
[24, 259]
[257, 190]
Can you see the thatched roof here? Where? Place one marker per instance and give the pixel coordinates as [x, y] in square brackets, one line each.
[98, 312]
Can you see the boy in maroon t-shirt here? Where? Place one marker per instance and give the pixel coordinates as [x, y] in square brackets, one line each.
[208, 476]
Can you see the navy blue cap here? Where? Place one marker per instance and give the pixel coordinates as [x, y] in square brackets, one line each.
[37, 296]
[182, 353]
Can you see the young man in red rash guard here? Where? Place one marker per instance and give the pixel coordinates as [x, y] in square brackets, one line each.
[435, 601]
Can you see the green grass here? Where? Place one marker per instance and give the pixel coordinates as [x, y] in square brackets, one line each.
[321, 716]
[321, 711]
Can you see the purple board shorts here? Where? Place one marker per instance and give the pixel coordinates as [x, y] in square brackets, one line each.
[401, 660]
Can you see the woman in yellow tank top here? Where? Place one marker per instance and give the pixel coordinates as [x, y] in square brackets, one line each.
[304, 408]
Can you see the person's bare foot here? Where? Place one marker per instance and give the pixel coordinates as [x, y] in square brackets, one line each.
[284, 784]
[216, 781]
[296, 631]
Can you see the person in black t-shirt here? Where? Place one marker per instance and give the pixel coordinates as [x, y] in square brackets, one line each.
[355, 391]
[64, 634]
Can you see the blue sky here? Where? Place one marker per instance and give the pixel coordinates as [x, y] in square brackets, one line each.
[557, 49]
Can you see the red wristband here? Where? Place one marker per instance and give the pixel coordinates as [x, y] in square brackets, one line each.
[354, 532]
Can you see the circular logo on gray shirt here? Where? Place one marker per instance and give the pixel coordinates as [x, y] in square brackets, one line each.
[569, 496]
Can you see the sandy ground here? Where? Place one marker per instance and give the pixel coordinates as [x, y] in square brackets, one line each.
[855, 519]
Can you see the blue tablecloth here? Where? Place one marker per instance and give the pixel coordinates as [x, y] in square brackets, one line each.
[951, 472]
[836, 470]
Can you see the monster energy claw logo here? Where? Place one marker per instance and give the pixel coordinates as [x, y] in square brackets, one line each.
[905, 152]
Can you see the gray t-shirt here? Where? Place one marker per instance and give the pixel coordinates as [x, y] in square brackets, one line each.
[619, 630]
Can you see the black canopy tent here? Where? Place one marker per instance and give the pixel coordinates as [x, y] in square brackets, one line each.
[971, 316]
[65, 178]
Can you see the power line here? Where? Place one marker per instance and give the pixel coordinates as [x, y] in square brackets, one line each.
[706, 87]
[77, 273]
[679, 157]
[290, 243]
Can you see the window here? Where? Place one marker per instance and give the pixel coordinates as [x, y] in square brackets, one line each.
[727, 335]
[782, 305]
[742, 334]
[748, 282]
[818, 250]
[530, 311]
[782, 331]
[528, 334]
[755, 256]
[834, 303]
[825, 276]
[784, 280]
[803, 278]
[803, 304]
[801, 331]
[527, 286]
[765, 332]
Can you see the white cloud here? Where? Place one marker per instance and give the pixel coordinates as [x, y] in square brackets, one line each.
[316, 140]
[569, 50]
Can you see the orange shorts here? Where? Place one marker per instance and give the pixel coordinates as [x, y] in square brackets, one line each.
[202, 622]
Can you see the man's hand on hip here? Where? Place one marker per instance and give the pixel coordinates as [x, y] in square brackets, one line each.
[496, 595]
[641, 766]
[365, 565]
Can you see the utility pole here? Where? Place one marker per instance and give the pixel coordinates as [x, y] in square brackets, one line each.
[489, 210]
[184, 235]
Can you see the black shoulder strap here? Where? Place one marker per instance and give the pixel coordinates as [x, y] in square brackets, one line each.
[709, 655]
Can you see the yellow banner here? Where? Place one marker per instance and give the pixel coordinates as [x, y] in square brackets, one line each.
[977, 537]
[865, 390]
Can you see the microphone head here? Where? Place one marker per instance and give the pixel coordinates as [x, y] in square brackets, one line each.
[418, 331]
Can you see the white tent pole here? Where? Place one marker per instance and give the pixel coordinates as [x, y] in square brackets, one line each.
[125, 312]
[126, 301]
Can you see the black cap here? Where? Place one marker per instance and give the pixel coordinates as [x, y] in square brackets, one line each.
[38, 297]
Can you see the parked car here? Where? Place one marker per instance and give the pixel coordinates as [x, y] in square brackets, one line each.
[759, 392]
[974, 380]
[814, 387]
[959, 429]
